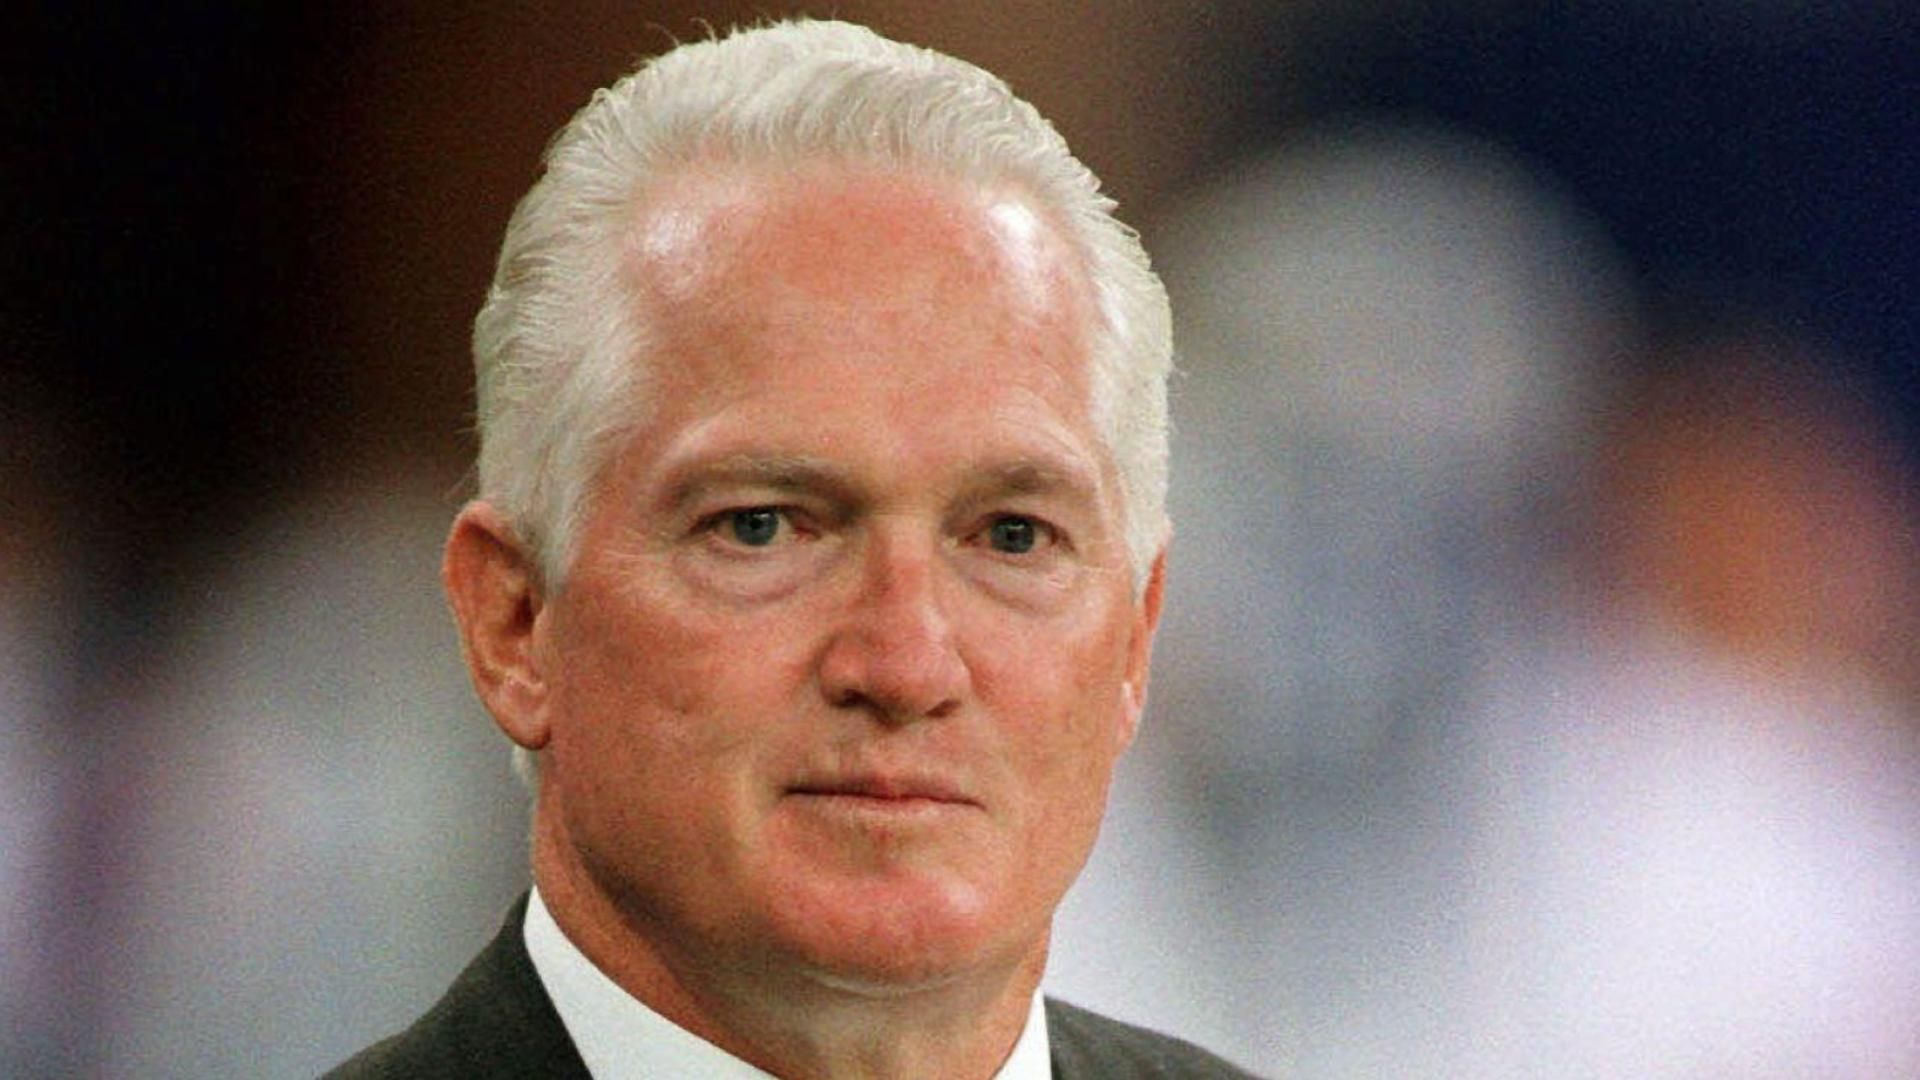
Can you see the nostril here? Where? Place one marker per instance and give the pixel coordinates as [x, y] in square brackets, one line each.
[846, 697]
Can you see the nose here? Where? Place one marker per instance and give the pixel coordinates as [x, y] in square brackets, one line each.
[894, 652]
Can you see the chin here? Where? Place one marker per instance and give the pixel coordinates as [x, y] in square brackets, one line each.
[896, 936]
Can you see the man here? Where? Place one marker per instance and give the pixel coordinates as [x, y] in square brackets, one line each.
[814, 573]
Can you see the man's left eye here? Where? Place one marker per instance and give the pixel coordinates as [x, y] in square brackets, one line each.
[1013, 535]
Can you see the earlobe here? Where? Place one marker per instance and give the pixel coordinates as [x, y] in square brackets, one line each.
[493, 588]
[1140, 645]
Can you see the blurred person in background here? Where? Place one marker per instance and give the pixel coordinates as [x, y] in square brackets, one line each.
[314, 818]
[45, 801]
[1391, 336]
[1534, 720]
[1752, 495]
[1694, 843]
[310, 815]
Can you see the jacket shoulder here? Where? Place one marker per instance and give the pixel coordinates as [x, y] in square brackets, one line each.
[1087, 1045]
[495, 1021]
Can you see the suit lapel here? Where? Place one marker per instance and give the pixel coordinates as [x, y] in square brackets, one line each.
[500, 1015]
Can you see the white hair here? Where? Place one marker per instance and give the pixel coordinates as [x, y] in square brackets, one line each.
[560, 346]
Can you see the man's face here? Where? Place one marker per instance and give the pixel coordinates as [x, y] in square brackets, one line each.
[851, 646]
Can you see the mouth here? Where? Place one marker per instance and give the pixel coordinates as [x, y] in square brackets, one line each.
[883, 792]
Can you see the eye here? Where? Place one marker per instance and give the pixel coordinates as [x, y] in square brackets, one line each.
[1013, 535]
[754, 526]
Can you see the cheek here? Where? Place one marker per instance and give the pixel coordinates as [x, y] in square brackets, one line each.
[623, 697]
[651, 760]
[664, 691]
[1058, 694]
[1059, 712]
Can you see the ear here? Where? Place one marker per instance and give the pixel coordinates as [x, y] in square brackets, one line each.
[494, 589]
[1146, 619]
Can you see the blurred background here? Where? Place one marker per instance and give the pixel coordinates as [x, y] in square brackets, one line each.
[1539, 689]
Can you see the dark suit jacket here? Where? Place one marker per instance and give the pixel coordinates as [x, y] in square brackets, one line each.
[496, 1021]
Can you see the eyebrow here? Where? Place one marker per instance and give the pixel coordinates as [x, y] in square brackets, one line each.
[1027, 476]
[802, 474]
[777, 472]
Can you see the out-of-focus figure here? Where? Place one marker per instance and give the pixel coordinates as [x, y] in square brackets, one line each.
[322, 804]
[1757, 501]
[320, 822]
[1389, 337]
[1543, 723]
[1697, 805]
[42, 760]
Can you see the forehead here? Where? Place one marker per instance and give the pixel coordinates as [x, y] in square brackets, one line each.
[879, 317]
[726, 246]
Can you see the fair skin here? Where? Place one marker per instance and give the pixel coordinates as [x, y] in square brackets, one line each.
[829, 704]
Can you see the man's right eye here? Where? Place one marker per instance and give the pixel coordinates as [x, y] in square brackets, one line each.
[756, 526]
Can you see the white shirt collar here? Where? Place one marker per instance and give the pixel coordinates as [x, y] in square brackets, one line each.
[619, 1038]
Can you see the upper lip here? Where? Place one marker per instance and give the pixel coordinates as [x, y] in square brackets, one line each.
[877, 785]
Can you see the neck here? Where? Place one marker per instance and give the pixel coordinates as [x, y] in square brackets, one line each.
[785, 1017]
